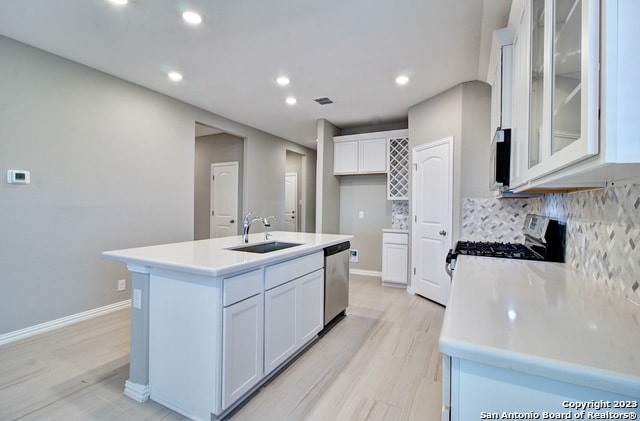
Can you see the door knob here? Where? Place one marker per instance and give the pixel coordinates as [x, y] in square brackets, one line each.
[443, 233]
[232, 221]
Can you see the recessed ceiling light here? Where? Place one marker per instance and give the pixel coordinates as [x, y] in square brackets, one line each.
[175, 76]
[120, 2]
[283, 81]
[291, 100]
[402, 80]
[192, 17]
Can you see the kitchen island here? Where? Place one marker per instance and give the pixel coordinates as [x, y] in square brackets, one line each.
[211, 323]
[537, 339]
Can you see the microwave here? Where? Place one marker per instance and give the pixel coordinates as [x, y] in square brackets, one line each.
[500, 160]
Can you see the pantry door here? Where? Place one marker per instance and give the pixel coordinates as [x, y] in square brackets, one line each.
[432, 199]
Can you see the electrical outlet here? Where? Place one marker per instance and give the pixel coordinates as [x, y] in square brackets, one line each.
[353, 255]
[122, 284]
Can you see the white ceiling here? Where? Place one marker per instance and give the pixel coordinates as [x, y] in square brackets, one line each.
[347, 50]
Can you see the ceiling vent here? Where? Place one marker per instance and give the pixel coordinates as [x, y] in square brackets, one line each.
[323, 101]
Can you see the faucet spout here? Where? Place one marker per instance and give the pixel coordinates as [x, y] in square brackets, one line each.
[246, 225]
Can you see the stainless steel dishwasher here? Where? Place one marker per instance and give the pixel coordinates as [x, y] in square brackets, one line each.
[336, 281]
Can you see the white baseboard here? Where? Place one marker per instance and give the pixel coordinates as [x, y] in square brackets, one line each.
[16, 335]
[365, 272]
[137, 392]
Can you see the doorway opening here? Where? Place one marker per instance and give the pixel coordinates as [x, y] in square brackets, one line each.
[213, 146]
[294, 190]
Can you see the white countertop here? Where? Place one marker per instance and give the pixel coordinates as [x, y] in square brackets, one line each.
[543, 319]
[211, 257]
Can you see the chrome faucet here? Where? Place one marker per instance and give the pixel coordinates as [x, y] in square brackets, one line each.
[267, 224]
[248, 220]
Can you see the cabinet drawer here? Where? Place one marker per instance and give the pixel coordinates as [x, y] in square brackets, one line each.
[286, 271]
[395, 238]
[237, 288]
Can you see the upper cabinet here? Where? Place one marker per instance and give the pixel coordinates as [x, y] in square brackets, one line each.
[572, 79]
[362, 153]
[500, 78]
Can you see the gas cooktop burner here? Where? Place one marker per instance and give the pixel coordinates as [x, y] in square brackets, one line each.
[496, 249]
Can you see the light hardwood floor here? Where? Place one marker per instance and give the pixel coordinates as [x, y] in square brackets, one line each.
[379, 363]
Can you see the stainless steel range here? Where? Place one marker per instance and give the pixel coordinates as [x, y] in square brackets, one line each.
[544, 240]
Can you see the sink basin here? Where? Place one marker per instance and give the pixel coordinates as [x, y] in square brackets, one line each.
[265, 247]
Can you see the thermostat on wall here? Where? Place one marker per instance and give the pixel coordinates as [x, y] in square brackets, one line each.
[18, 177]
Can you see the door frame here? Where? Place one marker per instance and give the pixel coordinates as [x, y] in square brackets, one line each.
[448, 140]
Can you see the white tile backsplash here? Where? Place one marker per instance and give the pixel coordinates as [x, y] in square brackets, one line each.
[603, 230]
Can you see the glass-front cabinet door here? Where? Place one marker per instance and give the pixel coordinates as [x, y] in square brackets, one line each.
[536, 83]
[563, 85]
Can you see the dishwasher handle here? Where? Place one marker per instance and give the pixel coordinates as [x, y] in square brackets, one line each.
[336, 248]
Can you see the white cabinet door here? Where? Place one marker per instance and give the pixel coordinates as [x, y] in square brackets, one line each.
[242, 355]
[373, 156]
[485, 391]
[345, 157]
[394, 263]
[279, 325]
[310, 306]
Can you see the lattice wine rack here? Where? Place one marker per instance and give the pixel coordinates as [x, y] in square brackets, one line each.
[398, 183]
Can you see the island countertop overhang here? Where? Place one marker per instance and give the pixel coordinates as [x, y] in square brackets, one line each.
[212, 257]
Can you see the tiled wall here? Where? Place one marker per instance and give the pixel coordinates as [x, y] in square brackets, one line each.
[607, 219]
[496, 219]
[400, 214]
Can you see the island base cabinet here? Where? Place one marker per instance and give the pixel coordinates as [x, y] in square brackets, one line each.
[183, 362]
[481, 391]
[242, 362]
[310, 306]
[280, 325]
[293, 317]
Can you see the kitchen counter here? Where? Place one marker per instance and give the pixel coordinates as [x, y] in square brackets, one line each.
[543, 319]
[211, 257]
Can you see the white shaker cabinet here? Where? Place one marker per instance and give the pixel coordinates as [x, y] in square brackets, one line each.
[364, 153]
[243, 339]
[294, 305]
[395, 254]
[361, 156]
[345, 157]
[280, 325]
[372, 156]
[310, 309]
[242, 362]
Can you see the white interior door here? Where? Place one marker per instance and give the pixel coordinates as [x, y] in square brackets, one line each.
[224, 199]
[291, 202]
[432, 209]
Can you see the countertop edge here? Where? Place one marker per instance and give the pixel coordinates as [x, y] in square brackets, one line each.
[256, 260]
[581, 375]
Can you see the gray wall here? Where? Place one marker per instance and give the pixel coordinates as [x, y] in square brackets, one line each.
[464, 112]
[209, 150]
[112, 166]
[328, 185]
[367, 193]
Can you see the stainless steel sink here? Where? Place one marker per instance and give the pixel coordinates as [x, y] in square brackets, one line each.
[265, 247]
